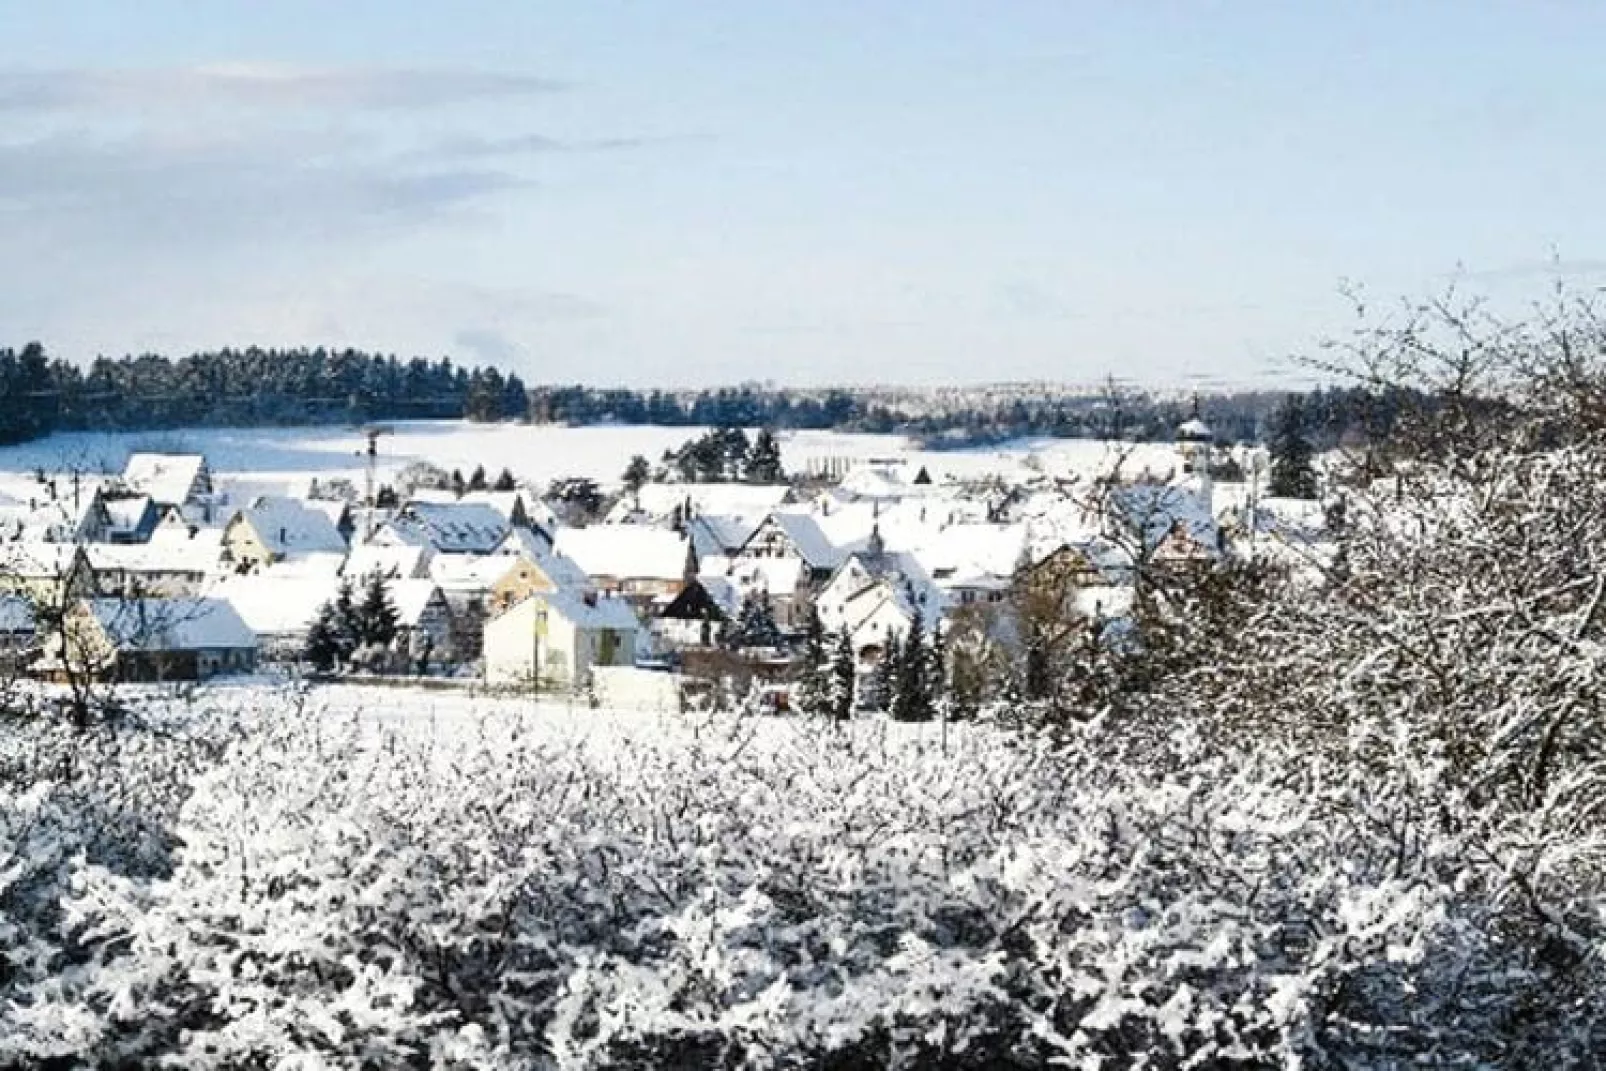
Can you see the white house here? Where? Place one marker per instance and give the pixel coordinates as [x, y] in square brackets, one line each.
[155, 639]
[554, 639]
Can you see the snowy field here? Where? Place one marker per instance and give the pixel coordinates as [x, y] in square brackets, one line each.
[534, 453]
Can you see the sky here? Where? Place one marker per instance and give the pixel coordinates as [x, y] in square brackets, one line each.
[806, 193]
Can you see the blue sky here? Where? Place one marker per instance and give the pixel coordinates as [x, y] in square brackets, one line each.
[659, 193]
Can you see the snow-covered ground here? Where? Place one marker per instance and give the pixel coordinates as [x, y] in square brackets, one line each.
[537, 453]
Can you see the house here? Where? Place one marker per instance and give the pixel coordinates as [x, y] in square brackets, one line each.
[973, 563]
[692, 619]
[515, 509]
[535, 570]
[47, 574]
[793, 535]
[131, 518]
[170, 565]
[553, 640]
[45, 516]
[153, 640]
[423, 621]
[645, 564]
[280, 610]
[445, 527]
[877, 586]
[274, 530]
[169, 479]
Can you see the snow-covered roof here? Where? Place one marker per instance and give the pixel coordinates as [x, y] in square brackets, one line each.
[718, 533]
[411, 598]
[451, 527]
[198, 555]
[36, 560]
[805, 533]
[403, 562]
[590, 612]
[128, 513]
[171, 624]
[747, 500]
[625, 551]
[1158, 509]
[1195, 430]
[288, 528]
[973, 555]
[772, 576]
[274, 604]
[468, 573]
[167, 478]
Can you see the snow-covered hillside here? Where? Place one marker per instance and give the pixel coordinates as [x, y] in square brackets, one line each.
[538, 453]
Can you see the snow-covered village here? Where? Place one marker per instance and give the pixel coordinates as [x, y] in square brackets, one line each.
[648, 589]
[802, 537]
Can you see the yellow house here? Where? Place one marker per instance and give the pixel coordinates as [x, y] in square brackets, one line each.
[46, 574]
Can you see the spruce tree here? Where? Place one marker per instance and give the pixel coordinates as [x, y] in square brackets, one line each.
[844, 675]
[505, 482]
[376, 616]
[476, 480]
[911, 700]
[1292, 475]
[322, 648]
[763, 461]
[815, 674]
[345, 623]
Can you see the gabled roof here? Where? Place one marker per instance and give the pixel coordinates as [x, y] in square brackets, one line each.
[168, 478]
[718, 534]
[287, 528]
[274, 604]
[171, 624]
[411, 598]
[806, 535]
[625, 551]
[127, 514]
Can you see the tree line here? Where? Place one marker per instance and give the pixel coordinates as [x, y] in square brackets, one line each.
[266, 386]
[229, 387]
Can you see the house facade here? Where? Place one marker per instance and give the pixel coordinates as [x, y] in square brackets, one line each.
[554, 640]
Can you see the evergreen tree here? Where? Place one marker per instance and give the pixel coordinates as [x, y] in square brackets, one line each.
[323, 647]
[763, 461]
[1292, 475]
[505, 482]
[754, 625]
[476, 479]
[385, 497]
[636, 474]
[459, 485]
[376, 614]
[345, 623]
[911, 699]
[815, 675]
[880, 691]
[844, 677]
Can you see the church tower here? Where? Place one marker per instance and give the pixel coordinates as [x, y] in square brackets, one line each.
[1196, 444]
